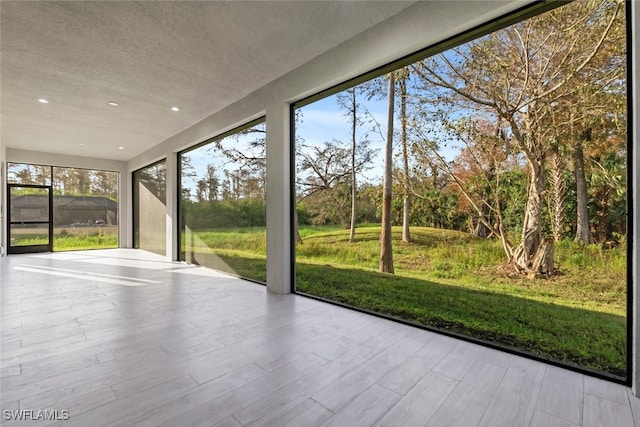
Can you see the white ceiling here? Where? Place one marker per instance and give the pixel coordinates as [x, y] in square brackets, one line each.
[149, 56]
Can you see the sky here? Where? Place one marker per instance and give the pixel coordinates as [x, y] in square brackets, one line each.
[323, 121]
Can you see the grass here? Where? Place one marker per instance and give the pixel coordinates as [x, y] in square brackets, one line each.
[583, 337]
[72, 239]
[250, 239]
[96, 240]
[238, 251]
[589, 277]
[450, 280]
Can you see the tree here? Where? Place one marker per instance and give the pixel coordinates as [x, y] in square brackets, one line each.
[357, 115]
[104, 183]
[598, 112]
[324, 173]
[608, 193]
[207, 186]
[386, 249]
[403, 76]
[557, 197]
[80, 180]
[236, 166]
[478, 172]
[582, 220]
[432, 198]
[517, 75]
[352, 105]
[187, 171]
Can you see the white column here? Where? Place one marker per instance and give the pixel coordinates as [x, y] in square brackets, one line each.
[173, 253]
[278, 199]
[634, 48]
[125, 210]
[3, 200]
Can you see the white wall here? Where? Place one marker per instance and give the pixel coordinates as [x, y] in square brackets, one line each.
[3, 199]
[635, 238]
[41, 158]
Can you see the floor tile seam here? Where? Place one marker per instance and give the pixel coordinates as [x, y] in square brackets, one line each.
[556, 416]
[451, 391]
[537, 394]
[582, 396]
[630, 395]
[314, 400]
[398, 395]
[265, 372]
[626, 404]
[498, 387]
[249, 403]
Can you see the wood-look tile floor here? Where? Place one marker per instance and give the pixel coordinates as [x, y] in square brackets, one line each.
[125, 338]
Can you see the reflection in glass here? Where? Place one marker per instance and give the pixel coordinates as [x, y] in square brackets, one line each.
[29, 234]
[29, 204]
[150, 208]
[85, 209]
[222, 209]
[29, 219]
[28, 174]
[85, 204]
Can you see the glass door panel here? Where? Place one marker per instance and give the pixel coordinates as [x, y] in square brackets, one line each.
[29, 234]
[30, 226]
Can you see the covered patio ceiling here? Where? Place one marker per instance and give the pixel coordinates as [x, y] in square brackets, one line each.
[149, 57]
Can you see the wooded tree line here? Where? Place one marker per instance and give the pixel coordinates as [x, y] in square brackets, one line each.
[230, 190]
[519, 135]
[66, 181]
[154, 180]
[536, 116]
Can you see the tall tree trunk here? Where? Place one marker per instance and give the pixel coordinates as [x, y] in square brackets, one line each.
[582, 229]
[480, 229]
[352, 232]
[603, 224]
[558, 196]
[532, 247]
[296, 225]
[386, 250]
[406, 203]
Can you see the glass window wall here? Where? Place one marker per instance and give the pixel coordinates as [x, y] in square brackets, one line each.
[222, 204]
[480, 190]
[85, 203]
[150, 208]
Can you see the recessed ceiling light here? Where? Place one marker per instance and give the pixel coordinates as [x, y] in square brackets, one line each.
[113, 103]
[120, 148]
[175, 109]
[82, 144]
[43, 101]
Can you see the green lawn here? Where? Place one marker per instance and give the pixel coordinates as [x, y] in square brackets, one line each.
[95, 240]
[92, 239]
[452, 281]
